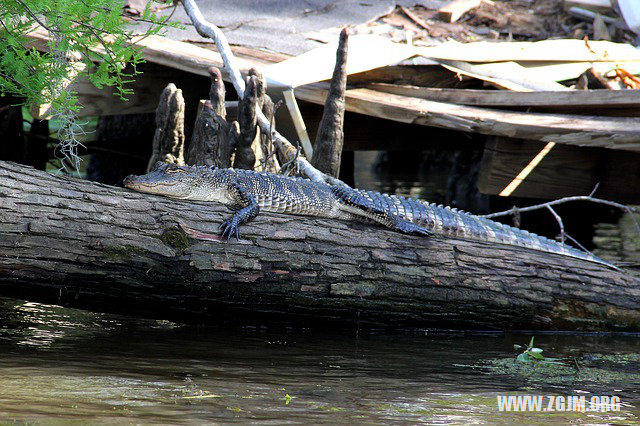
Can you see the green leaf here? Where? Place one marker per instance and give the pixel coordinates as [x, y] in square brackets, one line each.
[535, 355]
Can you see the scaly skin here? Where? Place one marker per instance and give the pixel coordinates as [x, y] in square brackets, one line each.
[249, 192]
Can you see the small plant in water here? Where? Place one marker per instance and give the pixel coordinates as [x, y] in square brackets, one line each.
[531, 354]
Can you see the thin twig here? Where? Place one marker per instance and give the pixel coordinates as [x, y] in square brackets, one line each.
[574, 241]
[415, 18]
[270, 146]
[560, 223]
[630, 210]
[560, 201]
[285, 168]
[35, 18]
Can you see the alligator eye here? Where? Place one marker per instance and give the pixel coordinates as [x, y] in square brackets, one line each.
[172, 168]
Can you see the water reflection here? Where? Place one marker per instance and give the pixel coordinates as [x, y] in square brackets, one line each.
[76, 366]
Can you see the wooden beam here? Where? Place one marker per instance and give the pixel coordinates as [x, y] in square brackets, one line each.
[565, 171]
[366, 133]
[578, 100]
[606, 132]
[509, 75]
[561, 50]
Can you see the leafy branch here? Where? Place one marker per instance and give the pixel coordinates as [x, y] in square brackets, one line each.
[95, 29]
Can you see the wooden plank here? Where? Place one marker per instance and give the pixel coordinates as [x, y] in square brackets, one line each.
[585, 100]
[558, 71]
[562, 50]
[418, 75]
[366, 133]
[600, 6]
[318, 64]
[508, 75]
[454, 10]
[298, 122]
[607, 132]
[565, 171]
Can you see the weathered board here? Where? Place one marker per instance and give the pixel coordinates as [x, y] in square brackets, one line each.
[602, 102]
[564, 171]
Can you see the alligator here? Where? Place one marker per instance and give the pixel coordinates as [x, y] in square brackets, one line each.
[248, 192]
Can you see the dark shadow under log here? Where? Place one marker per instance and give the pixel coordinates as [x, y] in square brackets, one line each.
[92, 246]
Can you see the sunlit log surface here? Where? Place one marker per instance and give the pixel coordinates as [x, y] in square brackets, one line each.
[81, 244]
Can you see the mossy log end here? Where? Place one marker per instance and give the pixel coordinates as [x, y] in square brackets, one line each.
[87, 245]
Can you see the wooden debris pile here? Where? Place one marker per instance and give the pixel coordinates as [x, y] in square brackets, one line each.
[530, 20]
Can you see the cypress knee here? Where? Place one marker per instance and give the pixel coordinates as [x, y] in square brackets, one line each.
[245, 157]
[210, 144]
[168, 141]
[327, 148]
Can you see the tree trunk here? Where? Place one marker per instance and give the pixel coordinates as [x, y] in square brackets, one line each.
[87, 245]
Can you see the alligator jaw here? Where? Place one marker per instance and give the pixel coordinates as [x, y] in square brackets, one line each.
[143, 184]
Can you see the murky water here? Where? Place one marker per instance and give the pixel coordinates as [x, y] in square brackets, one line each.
[66, 366]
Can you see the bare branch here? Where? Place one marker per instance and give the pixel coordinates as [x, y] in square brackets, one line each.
[561, 201]
[547, 205]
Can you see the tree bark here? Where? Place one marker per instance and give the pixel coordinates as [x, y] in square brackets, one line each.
[87, 245]
[245, 157]
[210, 141]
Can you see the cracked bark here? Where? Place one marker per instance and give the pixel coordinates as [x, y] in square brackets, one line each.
[87, 245]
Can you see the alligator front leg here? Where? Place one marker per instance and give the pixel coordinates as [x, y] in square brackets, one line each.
[359, 205]
[248, 209]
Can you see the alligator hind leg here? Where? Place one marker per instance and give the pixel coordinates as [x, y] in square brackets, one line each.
[248, 209]
[357, 204]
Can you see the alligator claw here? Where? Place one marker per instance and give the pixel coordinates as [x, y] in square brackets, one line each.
[412, 228]
[230, 228]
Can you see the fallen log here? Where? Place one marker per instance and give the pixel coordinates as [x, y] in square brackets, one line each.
[91, 246]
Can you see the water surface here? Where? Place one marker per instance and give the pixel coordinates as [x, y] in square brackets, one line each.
[66, 366]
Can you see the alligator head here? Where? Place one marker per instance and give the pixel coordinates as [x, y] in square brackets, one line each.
[169, 180]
